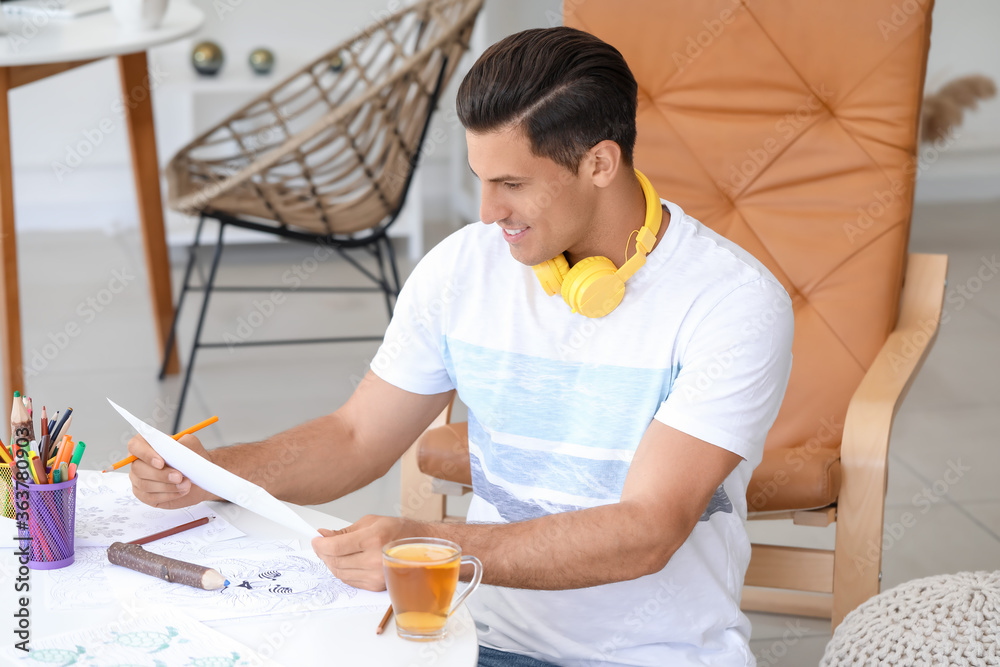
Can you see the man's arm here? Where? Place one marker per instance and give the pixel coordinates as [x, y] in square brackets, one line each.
[315, 462]
[669, 484]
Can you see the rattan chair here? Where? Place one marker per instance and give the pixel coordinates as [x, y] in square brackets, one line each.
[325, 157]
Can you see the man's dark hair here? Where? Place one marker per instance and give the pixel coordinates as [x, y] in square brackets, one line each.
[566, 89]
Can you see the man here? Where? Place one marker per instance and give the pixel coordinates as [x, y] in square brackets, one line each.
[610, 456]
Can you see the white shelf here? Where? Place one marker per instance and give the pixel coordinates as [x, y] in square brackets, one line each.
[192, 102]
[234, 77]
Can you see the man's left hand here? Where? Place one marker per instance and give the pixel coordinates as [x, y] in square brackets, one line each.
[354, 554]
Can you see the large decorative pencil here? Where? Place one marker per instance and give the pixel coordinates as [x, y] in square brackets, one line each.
[22, 431]
[134, 557]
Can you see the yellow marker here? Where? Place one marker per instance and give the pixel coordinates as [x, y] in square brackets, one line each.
[31, 467]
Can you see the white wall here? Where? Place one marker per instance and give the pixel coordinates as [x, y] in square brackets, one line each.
[964, 41]
[52, 118]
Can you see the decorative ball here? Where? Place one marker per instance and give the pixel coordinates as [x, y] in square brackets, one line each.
[336, 64]
[207, 58]
[261, 61]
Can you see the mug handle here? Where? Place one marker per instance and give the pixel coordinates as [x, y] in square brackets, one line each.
[477, 576]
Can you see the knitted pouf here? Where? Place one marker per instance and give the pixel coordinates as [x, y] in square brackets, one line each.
[951, 619]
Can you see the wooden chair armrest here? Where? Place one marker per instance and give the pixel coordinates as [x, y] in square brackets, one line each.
[867, 427]
[877, 399]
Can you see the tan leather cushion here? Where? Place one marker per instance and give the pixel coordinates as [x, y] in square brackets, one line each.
[443, 452]
[795, 478]
[790, 128]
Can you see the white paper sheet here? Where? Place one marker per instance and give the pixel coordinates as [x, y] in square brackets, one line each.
[215, 479]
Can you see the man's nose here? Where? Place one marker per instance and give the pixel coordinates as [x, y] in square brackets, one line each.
[491, 208]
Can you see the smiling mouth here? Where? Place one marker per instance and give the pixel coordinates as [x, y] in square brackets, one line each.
[515, 234]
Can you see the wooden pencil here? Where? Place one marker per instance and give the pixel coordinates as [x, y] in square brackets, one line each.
[176, 436]
[62, 428]
[384, 622]
[172, 531]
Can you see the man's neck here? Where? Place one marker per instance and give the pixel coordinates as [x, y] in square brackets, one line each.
[620, 213]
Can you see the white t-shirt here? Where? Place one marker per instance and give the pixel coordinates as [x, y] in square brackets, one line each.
[558, 403]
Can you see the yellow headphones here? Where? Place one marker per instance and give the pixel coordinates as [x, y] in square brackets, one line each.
[594, 287]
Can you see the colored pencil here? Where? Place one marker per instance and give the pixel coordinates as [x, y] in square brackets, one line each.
[62, 428]
[177, 436]
[384, 622]
[172, 531]
[52, 422]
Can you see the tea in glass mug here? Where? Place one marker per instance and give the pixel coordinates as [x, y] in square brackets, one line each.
[421, 574]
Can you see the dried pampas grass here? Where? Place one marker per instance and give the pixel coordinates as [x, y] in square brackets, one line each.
[943, 111]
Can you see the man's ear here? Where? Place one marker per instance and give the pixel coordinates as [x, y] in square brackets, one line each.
[602, 163]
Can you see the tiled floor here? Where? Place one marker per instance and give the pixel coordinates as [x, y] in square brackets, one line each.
[93, 287]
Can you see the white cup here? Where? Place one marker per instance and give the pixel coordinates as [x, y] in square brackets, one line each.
[139, 14]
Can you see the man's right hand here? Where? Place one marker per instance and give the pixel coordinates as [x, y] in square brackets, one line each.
[157, 484]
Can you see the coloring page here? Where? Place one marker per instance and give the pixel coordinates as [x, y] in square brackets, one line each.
[266, 577]
[155, 641]
[107, 512]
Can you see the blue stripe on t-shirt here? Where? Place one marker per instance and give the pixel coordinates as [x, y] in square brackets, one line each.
[510, 507]
[573, 475]
[565, 437]
[591, 405]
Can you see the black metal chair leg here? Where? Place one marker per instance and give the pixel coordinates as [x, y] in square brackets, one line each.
[197, 332]
[396, 285]
[192, 256]
[383, 278]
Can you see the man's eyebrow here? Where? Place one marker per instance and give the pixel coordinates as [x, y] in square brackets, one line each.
[506, 178]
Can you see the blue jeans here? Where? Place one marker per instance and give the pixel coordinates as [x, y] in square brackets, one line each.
[489, 657]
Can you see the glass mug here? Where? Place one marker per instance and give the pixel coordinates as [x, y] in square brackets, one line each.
[421, 574]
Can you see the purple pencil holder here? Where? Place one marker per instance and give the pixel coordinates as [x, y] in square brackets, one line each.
[51, 525]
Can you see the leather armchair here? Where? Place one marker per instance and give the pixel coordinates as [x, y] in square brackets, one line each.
[790, 128]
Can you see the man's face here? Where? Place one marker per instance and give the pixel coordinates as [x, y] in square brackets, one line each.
[541, 208]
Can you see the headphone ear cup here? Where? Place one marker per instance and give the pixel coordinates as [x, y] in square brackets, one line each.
[592, 287]
[551, 273]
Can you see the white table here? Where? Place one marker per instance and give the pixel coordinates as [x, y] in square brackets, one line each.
[38, 47]
[342, 637]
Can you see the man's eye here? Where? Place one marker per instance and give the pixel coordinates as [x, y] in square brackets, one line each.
[512, 186]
